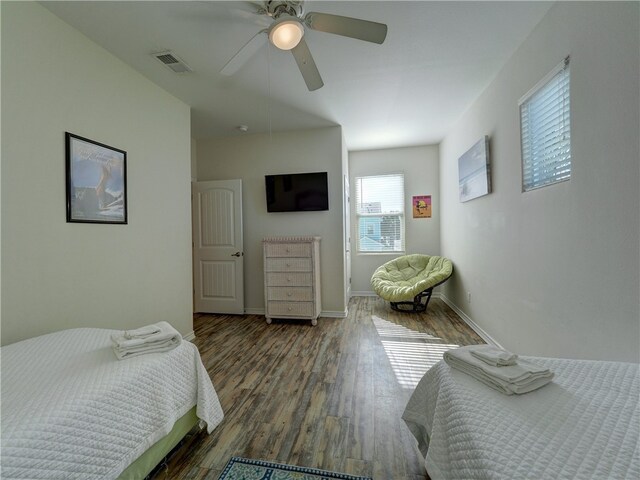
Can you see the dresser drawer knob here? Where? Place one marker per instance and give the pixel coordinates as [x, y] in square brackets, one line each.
[289, 308]
[288, 264]
[288, 294]
[288, 279]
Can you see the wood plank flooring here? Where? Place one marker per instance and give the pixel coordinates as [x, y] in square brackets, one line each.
[329, 396]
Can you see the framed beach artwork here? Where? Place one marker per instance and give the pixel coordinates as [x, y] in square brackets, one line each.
[96, 181]
[421, 206]
[474, 175]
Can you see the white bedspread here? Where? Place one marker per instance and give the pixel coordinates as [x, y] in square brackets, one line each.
[71, 410]
[583, 425]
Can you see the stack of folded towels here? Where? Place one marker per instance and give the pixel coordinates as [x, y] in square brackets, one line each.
[499, 369]
[154, 338]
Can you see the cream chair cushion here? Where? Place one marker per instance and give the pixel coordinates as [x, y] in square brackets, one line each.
[405, 277]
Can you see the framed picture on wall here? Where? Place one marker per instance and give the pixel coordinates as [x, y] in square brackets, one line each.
[474, 179]
[421, 206]
[96, 181]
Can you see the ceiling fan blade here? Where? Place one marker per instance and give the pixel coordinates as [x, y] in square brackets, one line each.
[307, 66]
[347, 27]
[245, 53]
[246, 8]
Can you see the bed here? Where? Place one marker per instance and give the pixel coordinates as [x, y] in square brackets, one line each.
[583, 425]
[71, 410]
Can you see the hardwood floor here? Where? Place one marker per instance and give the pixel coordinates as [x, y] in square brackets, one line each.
[329, 396]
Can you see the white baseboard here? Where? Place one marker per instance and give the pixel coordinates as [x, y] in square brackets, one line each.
[474, 326]
[364, 294]
[336, 314]
[324, 313]
[189, 336]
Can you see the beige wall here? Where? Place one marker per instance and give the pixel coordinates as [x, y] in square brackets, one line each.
[421, 177]
[554, 272]
[58, 275]
[250, 158]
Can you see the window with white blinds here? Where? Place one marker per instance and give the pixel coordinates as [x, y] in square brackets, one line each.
[545, 123]
[380, 213]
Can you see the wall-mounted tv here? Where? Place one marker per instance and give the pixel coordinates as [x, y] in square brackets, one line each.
[297, 192]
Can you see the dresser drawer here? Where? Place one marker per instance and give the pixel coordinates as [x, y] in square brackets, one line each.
[293, 294]
[288, 264]
[290, 309]
[288, 250]
[289, 279]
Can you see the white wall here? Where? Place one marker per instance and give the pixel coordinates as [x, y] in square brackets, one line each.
[421, 177]
[58, 275]
[554, 272]
[194, 161]
[250, 158]
[346, 228]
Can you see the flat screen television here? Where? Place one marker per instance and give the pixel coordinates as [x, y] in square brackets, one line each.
[297, 192]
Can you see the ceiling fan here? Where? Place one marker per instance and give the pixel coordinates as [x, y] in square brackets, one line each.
[287, 33]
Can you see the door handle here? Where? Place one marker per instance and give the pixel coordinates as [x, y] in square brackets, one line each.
[237, 254]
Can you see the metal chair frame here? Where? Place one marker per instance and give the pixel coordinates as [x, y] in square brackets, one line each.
[416, 305]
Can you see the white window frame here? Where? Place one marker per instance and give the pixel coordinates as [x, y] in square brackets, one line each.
[359, 215]
[546, 159]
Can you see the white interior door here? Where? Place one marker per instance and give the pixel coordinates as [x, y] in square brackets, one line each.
[217, 247]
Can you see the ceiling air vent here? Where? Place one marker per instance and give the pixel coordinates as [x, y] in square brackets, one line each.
[172, 61]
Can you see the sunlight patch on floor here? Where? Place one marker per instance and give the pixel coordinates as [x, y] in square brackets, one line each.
[410, 353]
[389, 329]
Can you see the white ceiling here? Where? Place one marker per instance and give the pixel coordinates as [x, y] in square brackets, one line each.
[437, 58]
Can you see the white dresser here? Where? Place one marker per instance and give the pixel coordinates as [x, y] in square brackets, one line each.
[292, 277]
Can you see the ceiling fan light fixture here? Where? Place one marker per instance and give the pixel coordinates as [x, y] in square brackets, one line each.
[286, 34]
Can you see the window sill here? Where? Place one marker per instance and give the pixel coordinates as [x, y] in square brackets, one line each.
[367, 254]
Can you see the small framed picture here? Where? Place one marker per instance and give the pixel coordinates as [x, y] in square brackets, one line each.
[421, 206]
[96, 181]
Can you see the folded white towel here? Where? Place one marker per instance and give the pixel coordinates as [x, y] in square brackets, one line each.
[142, 332]
[493, 355]
[164, 338]
[123, 354]
[520, 378]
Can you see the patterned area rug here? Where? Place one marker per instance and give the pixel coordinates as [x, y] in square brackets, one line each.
[246, 469]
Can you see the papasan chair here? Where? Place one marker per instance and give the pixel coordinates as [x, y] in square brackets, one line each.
[406, 280]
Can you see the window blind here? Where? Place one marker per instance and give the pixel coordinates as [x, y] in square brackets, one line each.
[545, 123]
[380, 213]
